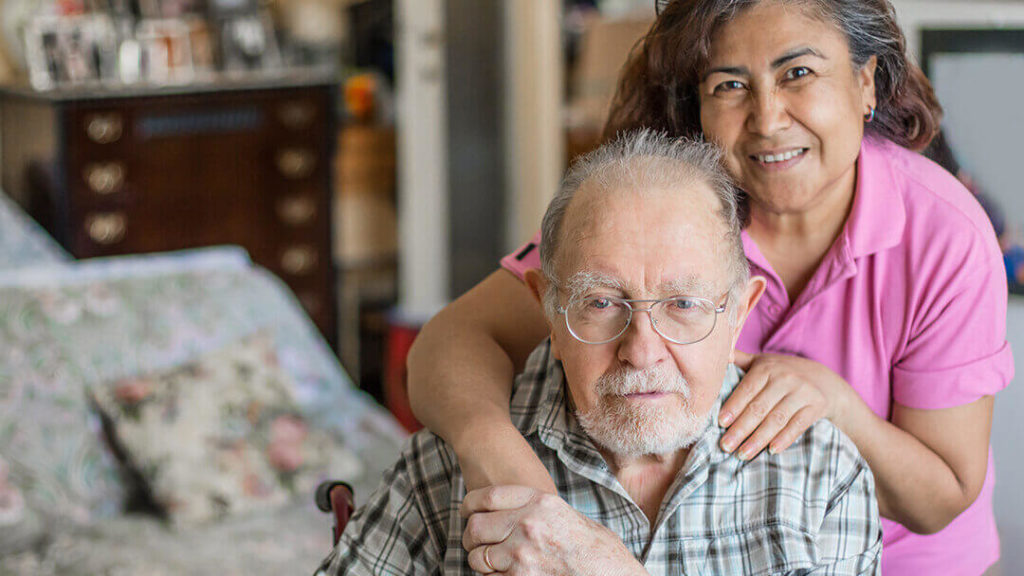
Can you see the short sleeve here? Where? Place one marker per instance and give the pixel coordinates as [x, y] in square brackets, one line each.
[957, 351]
[527, 257]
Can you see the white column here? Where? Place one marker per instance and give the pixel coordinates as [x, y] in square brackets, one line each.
[535, 140]
[423, 265]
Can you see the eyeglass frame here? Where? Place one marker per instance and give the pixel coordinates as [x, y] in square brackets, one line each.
[654, 325]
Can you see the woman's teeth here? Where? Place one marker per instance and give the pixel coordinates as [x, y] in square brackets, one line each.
[770, 158]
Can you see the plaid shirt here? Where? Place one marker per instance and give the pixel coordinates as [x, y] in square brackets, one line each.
[808, 510]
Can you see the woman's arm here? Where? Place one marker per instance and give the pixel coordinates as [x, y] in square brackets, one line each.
[929, 465]
[461, 369]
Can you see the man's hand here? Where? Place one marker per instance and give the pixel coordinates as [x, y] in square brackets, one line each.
[519, 530]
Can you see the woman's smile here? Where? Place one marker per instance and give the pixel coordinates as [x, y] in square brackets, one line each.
[779, 160]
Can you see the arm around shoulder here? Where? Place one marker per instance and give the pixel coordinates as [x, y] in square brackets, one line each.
[461, 370]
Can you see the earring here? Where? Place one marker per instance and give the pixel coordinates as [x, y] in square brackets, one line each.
[870, 115]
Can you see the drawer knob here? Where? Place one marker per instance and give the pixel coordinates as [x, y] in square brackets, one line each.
[299, 260]
[296, 210]
[104, 128]
[295, 163]
[105, 178]
[106, 229]
[296, 115]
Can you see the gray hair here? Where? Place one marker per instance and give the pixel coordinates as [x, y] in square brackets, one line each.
[643, 160]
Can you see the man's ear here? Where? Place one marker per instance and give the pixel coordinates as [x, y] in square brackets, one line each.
[746, 302]
[538, 285]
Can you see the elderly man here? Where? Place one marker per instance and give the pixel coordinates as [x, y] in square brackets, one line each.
[646, 287]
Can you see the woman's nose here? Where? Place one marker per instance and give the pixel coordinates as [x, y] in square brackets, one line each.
[768, 113]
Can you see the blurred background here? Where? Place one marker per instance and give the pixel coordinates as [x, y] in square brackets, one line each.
[380, 156]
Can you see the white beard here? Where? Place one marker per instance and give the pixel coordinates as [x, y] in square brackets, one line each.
[636, 428]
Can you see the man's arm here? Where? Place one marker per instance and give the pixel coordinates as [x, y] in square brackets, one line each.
[849, 542]
[520, 529]
[394, 533]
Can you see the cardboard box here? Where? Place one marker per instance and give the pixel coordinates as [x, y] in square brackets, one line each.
[604, 49]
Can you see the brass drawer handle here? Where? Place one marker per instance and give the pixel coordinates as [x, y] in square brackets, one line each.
[296, 210]
[105, 178]
[295, 163]
[104, 128]
[299, 260]
[296, 115]
[106, 229]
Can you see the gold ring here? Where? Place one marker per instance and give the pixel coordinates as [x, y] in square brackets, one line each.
[487, 559]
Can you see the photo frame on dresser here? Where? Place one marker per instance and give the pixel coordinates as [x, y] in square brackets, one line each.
[71, 50]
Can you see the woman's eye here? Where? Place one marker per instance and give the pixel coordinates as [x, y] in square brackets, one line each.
[798, 72]
[728, 86]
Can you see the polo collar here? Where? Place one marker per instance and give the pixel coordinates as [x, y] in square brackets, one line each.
[878, 216]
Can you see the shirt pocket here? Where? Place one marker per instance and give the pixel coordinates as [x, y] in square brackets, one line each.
[762, 550]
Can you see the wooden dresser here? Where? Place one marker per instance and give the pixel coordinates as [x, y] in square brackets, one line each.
[146, 170]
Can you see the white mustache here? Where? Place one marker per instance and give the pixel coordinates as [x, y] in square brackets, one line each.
[630, 381]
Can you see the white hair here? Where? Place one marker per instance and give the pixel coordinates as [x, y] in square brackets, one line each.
[643, 160]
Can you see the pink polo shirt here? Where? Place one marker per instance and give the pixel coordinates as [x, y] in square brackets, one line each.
[908, 306]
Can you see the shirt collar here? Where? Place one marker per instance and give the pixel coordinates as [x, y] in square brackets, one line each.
[878, 216]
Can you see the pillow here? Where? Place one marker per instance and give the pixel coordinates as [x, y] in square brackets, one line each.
[219, 436]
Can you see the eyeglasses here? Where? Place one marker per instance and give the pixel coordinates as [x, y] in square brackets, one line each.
[679, 319]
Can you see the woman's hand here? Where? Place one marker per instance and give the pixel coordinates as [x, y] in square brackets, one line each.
[777, 400]
[518, 530]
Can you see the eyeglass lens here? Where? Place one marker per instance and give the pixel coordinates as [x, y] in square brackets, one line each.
[682, 320]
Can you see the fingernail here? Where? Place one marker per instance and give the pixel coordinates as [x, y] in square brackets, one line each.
[745, 454]
[728, 444]
[772, 448]
[725, 419]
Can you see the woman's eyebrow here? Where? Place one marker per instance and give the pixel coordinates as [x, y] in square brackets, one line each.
[794, 54]
[776, 64]
[731, 70]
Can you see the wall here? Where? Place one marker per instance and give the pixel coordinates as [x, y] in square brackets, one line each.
[978, 100]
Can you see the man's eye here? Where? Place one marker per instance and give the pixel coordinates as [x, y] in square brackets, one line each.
[599, 303]
[684, 304]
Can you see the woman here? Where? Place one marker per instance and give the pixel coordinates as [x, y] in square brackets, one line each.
[886, 301]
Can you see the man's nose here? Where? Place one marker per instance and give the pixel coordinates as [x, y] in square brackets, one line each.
[768, 113]
[641, 346]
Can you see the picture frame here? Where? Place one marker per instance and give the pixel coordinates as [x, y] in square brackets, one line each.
[70, 50]
[248, 42]
[166, 51]
[43, 53]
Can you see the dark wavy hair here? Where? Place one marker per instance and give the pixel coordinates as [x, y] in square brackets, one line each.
[658, 86]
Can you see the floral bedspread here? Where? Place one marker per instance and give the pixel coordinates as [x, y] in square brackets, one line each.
[67, 325]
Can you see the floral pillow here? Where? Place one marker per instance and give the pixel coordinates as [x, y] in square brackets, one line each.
[219, 436]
